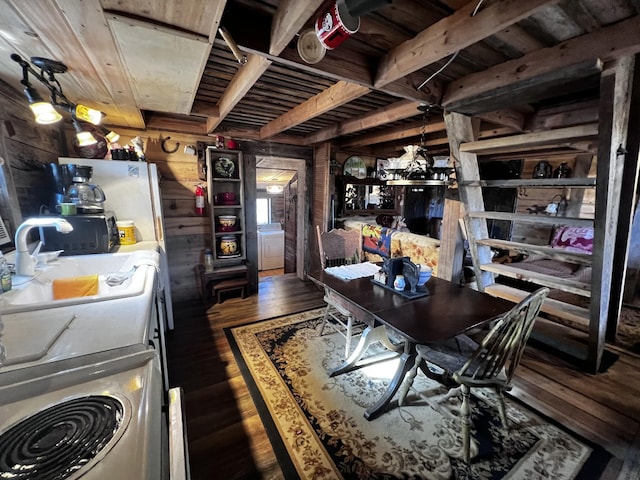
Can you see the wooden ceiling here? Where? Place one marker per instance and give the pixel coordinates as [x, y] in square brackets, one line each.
[151, 64]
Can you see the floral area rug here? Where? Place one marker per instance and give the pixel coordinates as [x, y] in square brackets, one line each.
[318, 430]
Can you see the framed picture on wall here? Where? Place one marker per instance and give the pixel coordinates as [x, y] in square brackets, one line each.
[382, 168]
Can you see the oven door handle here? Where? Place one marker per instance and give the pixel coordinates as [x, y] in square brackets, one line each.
[178, 448]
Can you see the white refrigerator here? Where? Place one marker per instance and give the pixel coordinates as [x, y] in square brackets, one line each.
[132, 192]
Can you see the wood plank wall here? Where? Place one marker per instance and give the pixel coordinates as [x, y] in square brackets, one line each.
[322, 194]
[26, 147]
[581, 202]
[189, 234]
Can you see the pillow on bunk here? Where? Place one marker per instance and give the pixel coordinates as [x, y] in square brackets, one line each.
[376, 239]
[573, 239]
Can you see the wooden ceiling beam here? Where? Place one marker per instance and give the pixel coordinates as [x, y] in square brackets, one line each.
[290, 17]
[241, 83]
[453, 33]
[166, 123]
[606, 44]
[506, 118]
[333, 97]
[392, 134]
[391, 113]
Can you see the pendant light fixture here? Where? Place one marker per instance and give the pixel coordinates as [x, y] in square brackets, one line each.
[420, 170]
[275, 189]
[84, 137]
[43, 112]
[46, 113]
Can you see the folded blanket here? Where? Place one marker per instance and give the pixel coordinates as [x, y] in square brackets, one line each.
[72, 287]
[356, 270]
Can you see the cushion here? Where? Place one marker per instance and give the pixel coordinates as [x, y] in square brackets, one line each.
[573, 239]
[376, 239]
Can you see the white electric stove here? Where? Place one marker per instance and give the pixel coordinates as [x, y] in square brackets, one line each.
[94, 416]
[82, 396]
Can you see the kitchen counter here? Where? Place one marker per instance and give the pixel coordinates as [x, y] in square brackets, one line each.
[44, 335]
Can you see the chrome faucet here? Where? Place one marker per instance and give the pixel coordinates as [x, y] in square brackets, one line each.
[25, 264]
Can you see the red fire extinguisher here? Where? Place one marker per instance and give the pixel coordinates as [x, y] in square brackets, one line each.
[199, 199]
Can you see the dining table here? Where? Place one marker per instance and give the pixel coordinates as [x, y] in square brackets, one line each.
[444, 311]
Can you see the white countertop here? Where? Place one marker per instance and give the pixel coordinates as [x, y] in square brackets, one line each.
[78, 329]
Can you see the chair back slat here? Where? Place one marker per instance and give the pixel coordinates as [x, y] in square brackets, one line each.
[502, 348]
[339, 247]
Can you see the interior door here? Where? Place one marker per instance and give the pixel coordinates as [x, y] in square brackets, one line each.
[290, 225]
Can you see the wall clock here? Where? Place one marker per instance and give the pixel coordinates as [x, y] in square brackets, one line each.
[355, 167]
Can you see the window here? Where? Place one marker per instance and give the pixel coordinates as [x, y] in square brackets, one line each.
[263, 210]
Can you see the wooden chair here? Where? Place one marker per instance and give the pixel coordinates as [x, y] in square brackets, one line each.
[339, 247]
[462, 363]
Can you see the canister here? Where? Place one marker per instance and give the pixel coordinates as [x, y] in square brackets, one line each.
[126, 232]
[228, 245]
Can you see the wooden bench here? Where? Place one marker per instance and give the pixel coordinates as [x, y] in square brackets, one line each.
[223, 280]
[230, 285]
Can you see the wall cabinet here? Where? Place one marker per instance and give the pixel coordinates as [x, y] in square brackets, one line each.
[225, 192]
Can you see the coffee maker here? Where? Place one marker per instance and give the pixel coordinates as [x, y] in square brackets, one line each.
[88, 197]
[72, 184]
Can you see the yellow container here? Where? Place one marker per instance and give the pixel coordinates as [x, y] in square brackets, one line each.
[127, 232]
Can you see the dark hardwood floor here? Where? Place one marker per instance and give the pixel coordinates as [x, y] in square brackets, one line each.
[227, 439]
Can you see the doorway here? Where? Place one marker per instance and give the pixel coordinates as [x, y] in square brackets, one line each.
[291, 173]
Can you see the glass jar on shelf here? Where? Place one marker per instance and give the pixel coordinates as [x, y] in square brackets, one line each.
[208, 260]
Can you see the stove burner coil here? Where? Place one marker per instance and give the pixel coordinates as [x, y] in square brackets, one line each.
[56, 442]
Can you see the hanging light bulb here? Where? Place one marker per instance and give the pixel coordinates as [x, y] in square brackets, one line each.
[88, 114]
[84, 137]
[110, 135]
[43, 112]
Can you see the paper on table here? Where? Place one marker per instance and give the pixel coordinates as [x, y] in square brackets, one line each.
[356, 270]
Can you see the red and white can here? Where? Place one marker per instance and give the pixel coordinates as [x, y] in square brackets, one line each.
[335, 25]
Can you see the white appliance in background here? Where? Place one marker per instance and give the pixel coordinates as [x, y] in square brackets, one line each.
[132, 191]
[270, 246]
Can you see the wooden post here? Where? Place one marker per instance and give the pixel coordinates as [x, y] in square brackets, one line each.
[460, 129]
[629, 184]
[451, 253]
[615, 94]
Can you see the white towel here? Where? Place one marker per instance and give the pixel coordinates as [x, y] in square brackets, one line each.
[141, 257]
[128, 268]
[356, 270]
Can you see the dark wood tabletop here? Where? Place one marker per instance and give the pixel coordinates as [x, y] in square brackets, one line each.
[448, 310]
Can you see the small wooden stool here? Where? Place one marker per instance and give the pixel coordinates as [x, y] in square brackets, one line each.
[230, 285]
[222, 280]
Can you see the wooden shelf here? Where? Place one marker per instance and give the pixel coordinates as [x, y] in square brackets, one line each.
[577, 316]
[419, 183]
[526, 248]
[363, 181]
[219, 185]
[537, 219]
[579, 288]
[532, 141]
[225, 179]
[533, 183]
